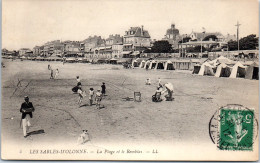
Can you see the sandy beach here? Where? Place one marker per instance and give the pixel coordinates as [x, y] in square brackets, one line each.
[184, 120]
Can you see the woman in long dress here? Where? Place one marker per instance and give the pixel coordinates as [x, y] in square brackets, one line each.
[56, 73]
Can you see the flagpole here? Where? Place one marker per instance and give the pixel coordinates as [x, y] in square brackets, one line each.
[203, 31]
[238, 36]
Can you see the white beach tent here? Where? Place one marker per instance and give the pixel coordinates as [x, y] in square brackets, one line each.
[135, 62]
[147, 63]
[203, 68]
[223, 70]
[160, 65]
[238, 70]
[168, 65]
[152, 64]
[219, 68]
[142, 64]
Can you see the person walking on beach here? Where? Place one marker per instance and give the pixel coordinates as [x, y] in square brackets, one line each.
[56, 73]
[49, 67]
[51, 74]
[98, 98]
[91, 96]
[103, 91]
[26, 110]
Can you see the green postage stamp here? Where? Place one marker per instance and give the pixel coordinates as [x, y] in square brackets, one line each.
[234, 127]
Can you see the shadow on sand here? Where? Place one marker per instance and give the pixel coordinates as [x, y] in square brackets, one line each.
[36, 132]
[84, 105]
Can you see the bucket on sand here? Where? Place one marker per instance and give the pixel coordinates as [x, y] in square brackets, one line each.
[137, 96]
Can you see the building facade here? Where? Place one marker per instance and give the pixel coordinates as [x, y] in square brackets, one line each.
[117, 50]
[71, 48]
[24, 52]
[136, 39]
[199, 36]
[91, 43]
[37, 51]
[52, 48]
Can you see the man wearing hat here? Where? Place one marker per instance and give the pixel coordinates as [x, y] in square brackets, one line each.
[26, 110]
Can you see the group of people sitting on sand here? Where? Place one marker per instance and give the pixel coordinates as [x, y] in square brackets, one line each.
[167, 92]
[93, 97]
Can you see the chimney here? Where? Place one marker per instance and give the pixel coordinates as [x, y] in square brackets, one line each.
[142, 30]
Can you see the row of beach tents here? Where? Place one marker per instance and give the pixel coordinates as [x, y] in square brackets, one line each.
[219, 67]
[153, 64]
[224, 67]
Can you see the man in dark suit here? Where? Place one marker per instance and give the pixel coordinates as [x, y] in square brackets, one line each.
[26, 110]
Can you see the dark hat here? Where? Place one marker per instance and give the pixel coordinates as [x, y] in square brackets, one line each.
[91, 89]
[26, 97]
[103, 83]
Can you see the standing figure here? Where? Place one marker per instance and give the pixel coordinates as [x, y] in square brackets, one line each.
[103, 91]
[49, 67]
[159, 82]
[56, 73]
[91, 96]
[78, 80]
[98, 98]
[81, 94]
[26, 110]
[51, 74]
[75, 89]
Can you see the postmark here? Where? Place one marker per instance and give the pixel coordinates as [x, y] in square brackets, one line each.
[234, 127]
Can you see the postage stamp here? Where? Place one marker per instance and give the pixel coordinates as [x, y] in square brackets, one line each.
[234, 127]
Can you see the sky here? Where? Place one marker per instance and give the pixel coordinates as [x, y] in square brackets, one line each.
[27, 23]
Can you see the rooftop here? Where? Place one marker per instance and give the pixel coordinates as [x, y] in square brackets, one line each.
[137, 32]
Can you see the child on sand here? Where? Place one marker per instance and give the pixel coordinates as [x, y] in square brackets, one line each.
[91, 96]
[148, 81]
[56, 73]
